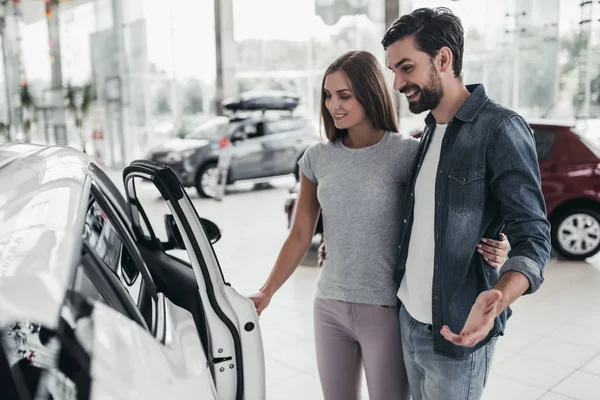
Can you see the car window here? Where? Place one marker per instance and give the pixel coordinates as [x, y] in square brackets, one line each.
[213, 129]
[85, 287]
[153, 211]
[544, 140]
[102, 238]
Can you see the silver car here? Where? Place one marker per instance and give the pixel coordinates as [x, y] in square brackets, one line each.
[261, 146]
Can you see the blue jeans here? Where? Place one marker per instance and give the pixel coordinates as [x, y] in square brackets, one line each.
[432, 376]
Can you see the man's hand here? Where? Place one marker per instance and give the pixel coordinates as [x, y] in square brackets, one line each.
[480, 321]
[321, 251]
[261, 300]
[494, 252]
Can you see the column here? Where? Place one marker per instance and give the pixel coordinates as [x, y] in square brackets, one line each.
[120, 80]
[225, 45]
[56, 96]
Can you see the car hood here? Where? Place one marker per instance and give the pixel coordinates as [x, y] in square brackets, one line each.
[181, 144]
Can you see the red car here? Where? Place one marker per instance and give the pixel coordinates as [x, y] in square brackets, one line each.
[570, 168]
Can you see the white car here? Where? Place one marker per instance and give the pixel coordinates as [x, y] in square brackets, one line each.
[92, 304]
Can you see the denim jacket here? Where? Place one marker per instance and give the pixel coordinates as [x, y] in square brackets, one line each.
[488, 180]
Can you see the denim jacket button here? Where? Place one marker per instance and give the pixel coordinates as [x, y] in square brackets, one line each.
[435, 298]
[436, 266]
[438, 203]
[405, 221]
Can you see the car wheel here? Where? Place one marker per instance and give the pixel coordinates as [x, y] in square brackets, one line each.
[576, 233]
[207, 180]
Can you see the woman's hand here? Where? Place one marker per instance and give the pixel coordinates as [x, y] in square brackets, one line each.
[494, 252]
[261, 300]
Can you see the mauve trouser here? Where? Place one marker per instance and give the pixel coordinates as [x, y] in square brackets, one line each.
[347, 334]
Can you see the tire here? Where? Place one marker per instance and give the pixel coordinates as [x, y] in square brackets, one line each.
[206, 173]
[297, 173]
[576, 233]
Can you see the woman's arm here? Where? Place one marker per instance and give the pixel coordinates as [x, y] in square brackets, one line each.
[295, 247]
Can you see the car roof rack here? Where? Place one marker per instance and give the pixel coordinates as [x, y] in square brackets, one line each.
[261, 101]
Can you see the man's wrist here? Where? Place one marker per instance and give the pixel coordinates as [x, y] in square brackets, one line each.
[512, 284]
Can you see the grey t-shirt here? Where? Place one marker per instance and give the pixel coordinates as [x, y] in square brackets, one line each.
[361, 192]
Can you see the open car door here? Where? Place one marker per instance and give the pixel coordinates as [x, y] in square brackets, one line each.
[226, 321]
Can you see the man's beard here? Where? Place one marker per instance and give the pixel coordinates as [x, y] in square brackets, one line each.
[430, 95]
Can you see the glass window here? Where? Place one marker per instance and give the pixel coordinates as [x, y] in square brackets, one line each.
[103, 239]
[85, 287]
[544, 139]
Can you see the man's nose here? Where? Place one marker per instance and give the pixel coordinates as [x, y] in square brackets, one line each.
[399, 83]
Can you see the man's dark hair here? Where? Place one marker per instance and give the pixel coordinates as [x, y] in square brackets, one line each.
[433, 28]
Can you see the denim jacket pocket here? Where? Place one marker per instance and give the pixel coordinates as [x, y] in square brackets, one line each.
[466, 187]
[466, 175]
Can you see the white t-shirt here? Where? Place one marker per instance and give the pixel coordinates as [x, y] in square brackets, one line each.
[417, 285]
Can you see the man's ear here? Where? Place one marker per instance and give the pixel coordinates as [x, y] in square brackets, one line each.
[445, 57]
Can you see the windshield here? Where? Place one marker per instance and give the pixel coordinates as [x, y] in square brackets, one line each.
[214, 129]
[187, 125]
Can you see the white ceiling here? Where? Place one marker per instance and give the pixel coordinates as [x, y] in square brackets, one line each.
[34, 10]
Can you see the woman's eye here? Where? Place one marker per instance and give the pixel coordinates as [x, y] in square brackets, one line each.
[345, 97]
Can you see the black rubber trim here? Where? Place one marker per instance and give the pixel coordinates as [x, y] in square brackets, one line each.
[165, 180]
[163, 176]
[115, 285]
[215, 305]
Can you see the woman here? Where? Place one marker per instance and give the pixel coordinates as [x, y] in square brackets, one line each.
[357, 178]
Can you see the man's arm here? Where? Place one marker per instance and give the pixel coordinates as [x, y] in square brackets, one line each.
[516, 184]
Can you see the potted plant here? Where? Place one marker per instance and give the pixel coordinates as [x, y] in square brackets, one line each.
[27, 110]
[78, 101]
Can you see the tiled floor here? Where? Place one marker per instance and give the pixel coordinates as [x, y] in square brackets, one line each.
[551, 349]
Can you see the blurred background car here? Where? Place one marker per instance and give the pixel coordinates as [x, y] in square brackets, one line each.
[569, 161]
[266, 140]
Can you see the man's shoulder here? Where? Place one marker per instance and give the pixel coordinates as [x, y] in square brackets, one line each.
[493, 114]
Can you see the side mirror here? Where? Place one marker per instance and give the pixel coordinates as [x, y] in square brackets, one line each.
[237, 138]
[212, 230]
[176, 240]
[173, 234]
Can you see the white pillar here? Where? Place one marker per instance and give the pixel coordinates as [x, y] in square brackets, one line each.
[56, 97]
[226, 85]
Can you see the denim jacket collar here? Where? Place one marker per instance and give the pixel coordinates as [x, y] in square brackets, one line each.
[471, 107]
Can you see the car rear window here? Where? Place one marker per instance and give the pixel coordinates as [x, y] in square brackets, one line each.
[544, 140]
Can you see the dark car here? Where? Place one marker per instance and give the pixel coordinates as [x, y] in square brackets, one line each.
[266, 140]
[570, 168]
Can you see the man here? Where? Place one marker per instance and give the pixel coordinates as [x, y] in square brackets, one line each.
[476, 173]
